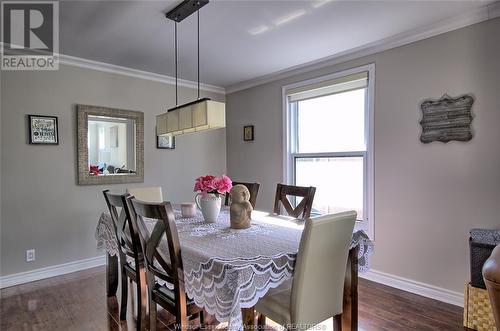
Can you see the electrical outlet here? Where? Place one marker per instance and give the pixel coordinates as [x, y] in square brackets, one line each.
[30, 255]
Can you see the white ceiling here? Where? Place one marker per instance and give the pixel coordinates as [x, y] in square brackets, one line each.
[240, 40]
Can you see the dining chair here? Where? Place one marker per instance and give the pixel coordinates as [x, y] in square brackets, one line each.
[316, 291]
[252, 187]
[491, 276]
[131, 257]
[166, 268]
[148, 194]
[303, 209]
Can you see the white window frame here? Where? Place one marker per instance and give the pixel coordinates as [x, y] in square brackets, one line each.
[289, 130]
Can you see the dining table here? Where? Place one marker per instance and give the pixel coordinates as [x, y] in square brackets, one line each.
[226, 271]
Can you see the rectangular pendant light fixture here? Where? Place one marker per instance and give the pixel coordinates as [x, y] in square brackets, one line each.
[200, 115]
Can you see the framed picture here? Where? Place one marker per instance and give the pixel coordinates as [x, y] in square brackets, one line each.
[165, 142]
[43, 130]
[248, 133]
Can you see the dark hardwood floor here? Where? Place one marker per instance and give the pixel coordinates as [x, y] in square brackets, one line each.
[78, 302]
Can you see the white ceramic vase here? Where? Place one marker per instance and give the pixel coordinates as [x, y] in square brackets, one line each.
[209, 206]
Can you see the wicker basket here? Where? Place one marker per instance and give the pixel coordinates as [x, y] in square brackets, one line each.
[479, 253]
[477, 309]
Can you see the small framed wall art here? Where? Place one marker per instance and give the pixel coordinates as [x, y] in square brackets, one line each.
[165, 142]
[43, 130]
[248, 134]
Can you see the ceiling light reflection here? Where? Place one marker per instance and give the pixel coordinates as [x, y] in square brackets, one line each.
[289, 17]
[321, 3]
[258, 30]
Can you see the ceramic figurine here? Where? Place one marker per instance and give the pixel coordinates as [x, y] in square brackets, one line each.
[241, 208]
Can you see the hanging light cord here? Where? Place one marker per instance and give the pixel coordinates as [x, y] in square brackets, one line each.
[198, 69]
[176, 97]
[198, 13]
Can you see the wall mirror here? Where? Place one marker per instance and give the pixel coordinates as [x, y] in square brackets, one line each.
[110, 145]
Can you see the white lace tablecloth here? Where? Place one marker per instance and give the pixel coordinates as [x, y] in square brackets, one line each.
[226, 269]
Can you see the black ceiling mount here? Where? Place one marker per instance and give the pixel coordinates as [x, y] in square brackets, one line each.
[189, 104]
[186, 8]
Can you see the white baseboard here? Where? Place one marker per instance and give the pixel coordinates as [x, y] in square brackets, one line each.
[408, 285]
[52, 271]
[426, 290]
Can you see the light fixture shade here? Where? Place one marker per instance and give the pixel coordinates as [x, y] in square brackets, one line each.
[193, 117]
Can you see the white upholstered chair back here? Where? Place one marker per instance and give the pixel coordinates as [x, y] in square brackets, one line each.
[318, 279]
[147, 194]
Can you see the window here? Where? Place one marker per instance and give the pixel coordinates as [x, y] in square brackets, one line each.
[329, 141]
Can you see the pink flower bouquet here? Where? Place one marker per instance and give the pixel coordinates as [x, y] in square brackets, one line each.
[211, 184]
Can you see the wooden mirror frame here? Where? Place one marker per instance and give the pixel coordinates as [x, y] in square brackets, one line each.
[84, 177]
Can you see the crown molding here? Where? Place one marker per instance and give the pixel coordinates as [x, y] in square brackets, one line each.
[115, 69]
[478, 15]
[125, 71]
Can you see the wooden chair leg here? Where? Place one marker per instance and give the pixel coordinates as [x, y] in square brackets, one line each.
[350, 300]
[152, 313]
[124, 296]
[181, 321]
[337, 322]
[202, 319]
[112, 267]
[261, 321]
[248, 315]
[141, 297]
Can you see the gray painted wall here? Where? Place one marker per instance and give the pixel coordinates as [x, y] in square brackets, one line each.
[427, 197]
[42, 207]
